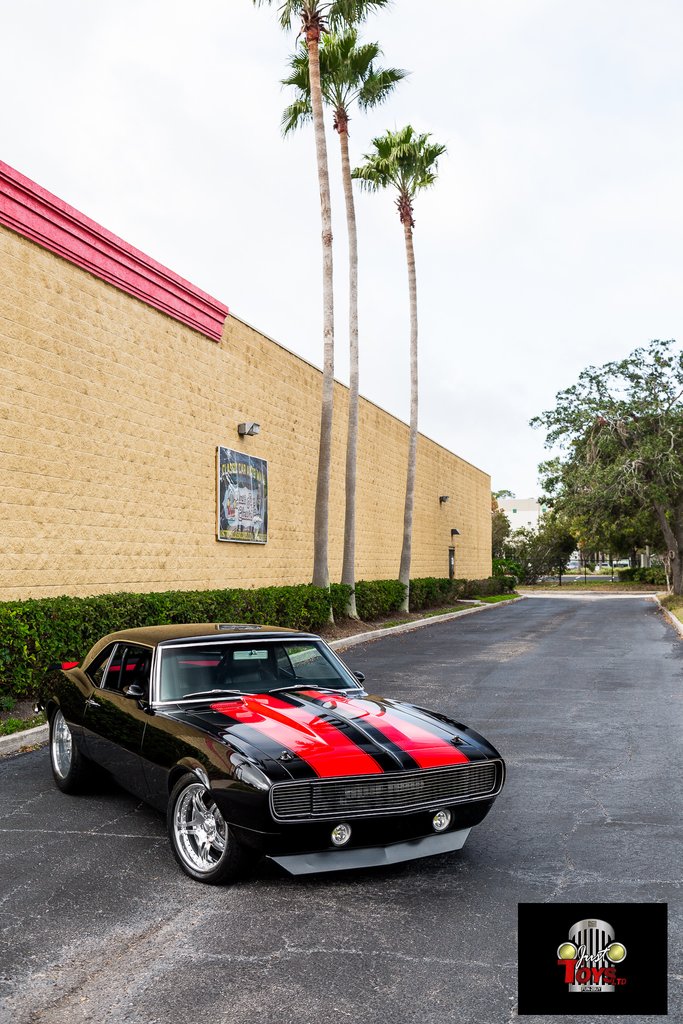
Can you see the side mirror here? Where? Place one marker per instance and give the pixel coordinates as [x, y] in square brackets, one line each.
[135, 692]
[360, 676]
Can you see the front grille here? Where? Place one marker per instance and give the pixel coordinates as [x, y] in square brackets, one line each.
[384, 794]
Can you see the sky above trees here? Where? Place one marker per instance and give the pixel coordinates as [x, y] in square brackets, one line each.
[551, 240]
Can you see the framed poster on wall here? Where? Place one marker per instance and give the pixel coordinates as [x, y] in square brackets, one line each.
[242, 492]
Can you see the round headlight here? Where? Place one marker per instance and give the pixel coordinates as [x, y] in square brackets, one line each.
[341, 834]
[567, 951]
[441, 820]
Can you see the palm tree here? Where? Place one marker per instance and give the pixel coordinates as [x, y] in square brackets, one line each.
[407, 162]
[315, 16]
[348, 75]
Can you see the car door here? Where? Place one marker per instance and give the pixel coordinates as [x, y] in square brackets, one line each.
[116, 723]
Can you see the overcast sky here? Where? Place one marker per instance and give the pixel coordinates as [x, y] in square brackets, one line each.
[552, 239]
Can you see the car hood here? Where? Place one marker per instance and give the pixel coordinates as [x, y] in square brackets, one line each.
[319, 734]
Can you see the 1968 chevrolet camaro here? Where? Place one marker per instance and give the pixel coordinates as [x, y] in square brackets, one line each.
[260, 741]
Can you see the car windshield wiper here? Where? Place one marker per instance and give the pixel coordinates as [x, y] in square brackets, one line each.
[310, 686]
[211, 693]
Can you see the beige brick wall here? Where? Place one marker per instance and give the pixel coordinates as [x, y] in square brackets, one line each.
[110, 413]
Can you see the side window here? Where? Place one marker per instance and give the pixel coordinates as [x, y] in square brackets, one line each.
[112, 679]
[130, 664]
[137, 666]
[97, 668]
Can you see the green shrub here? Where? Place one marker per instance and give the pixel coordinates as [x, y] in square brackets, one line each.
[339, 595]
[375, 598]
[489, 587]
[35, 633]
[655, 575]
[507, 567]
[431, 591]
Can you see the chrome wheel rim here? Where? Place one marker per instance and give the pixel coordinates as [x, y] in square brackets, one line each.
[200, 832]
[62, 745]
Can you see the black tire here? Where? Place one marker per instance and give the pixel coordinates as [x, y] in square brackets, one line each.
[201, 840]
[70, 770]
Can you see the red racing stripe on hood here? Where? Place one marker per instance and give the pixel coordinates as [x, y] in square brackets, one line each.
[427, 749]
[328, 751]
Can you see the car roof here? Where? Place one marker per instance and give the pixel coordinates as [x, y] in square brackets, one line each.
[152, 636]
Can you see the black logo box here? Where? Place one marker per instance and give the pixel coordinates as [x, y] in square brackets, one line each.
[541, 986]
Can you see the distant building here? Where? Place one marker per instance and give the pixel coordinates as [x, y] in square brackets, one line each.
[522, 512]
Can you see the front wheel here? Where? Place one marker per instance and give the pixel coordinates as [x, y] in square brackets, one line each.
[68, 764]
[201, 839]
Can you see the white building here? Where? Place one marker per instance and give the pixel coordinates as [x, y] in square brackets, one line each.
[522, 512]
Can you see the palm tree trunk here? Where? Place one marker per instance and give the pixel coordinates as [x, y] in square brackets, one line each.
[404, 571]
[321, 574]
[348, 565]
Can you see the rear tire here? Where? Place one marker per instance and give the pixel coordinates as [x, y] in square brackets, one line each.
[69, 767]
[201, 840]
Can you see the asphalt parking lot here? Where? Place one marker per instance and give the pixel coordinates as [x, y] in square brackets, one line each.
[584, 699]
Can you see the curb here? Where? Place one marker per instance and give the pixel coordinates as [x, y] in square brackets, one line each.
[676, 623]
[588, 595]
[407, 627]
[17, 741]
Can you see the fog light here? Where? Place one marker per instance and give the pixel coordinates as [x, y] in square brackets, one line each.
[341, 834]
[441, 821]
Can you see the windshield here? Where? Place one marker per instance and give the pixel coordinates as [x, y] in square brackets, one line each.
[259, 666]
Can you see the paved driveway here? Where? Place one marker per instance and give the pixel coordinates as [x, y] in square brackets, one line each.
[583, 698]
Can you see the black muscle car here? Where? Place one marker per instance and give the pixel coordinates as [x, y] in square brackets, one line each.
[260, 741]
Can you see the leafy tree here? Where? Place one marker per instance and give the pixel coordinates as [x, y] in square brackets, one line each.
[348, 74]
[314, 17]
[620, 434]
[624, 532]
[406, 162]
[500, 525]
[559, 543]
[544, 550]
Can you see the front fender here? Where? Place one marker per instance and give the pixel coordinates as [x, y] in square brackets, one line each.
[188, 765]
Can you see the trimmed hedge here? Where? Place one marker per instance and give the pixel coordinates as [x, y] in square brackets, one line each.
[433, 591]
[374, 598]
[378, 597]
[36, 632]
[655, 574]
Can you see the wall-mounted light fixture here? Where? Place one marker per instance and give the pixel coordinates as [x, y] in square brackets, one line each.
[248, 429]
[455, 533]
[443, 498]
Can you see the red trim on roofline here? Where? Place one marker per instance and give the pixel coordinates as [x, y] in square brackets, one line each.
[36, 214]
